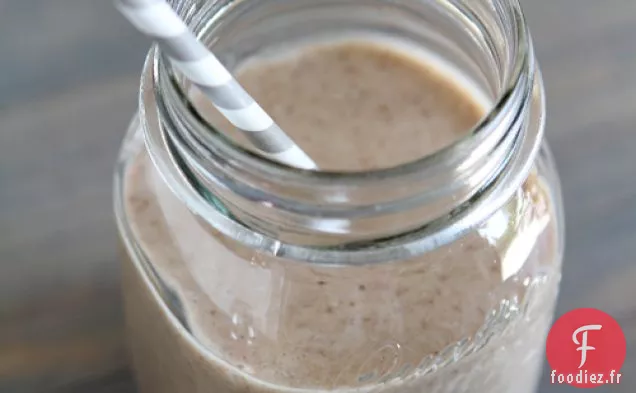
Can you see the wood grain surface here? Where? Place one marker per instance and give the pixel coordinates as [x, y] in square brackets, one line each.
[68, 82]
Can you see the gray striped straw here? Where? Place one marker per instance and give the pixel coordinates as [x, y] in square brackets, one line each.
[157, 19]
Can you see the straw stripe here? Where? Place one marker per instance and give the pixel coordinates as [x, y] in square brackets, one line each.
[251, 118]
[270, 141]
[295, 156]
[207, 71]
[184, 47]
[228, 96]
[157, 19]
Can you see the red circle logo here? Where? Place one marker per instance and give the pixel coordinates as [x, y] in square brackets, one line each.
[586, 348]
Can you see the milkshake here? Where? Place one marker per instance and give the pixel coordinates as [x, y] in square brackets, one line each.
[206, 313]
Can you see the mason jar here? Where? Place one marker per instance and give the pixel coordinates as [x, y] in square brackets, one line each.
[437, 275]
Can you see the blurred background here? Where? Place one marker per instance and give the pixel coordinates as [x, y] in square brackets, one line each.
[68, 86]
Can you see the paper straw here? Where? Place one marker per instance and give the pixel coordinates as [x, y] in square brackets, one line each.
[156, 19]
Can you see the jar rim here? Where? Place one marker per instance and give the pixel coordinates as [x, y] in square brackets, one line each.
[515, 85]
[515, 95]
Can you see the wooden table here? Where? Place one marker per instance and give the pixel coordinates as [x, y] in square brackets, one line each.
[64, 105]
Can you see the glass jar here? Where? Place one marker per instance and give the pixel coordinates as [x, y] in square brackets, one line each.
[439, 275]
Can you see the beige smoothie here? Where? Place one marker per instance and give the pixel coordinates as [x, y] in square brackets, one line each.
[454, 320]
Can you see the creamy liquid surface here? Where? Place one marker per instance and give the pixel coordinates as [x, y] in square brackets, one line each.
[271, 325]
[358, 105]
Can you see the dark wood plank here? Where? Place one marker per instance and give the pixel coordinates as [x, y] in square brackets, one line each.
[59, 280]
[59, 303]
[48, 46]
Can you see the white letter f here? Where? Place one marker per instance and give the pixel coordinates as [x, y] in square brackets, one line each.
[583, 346]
